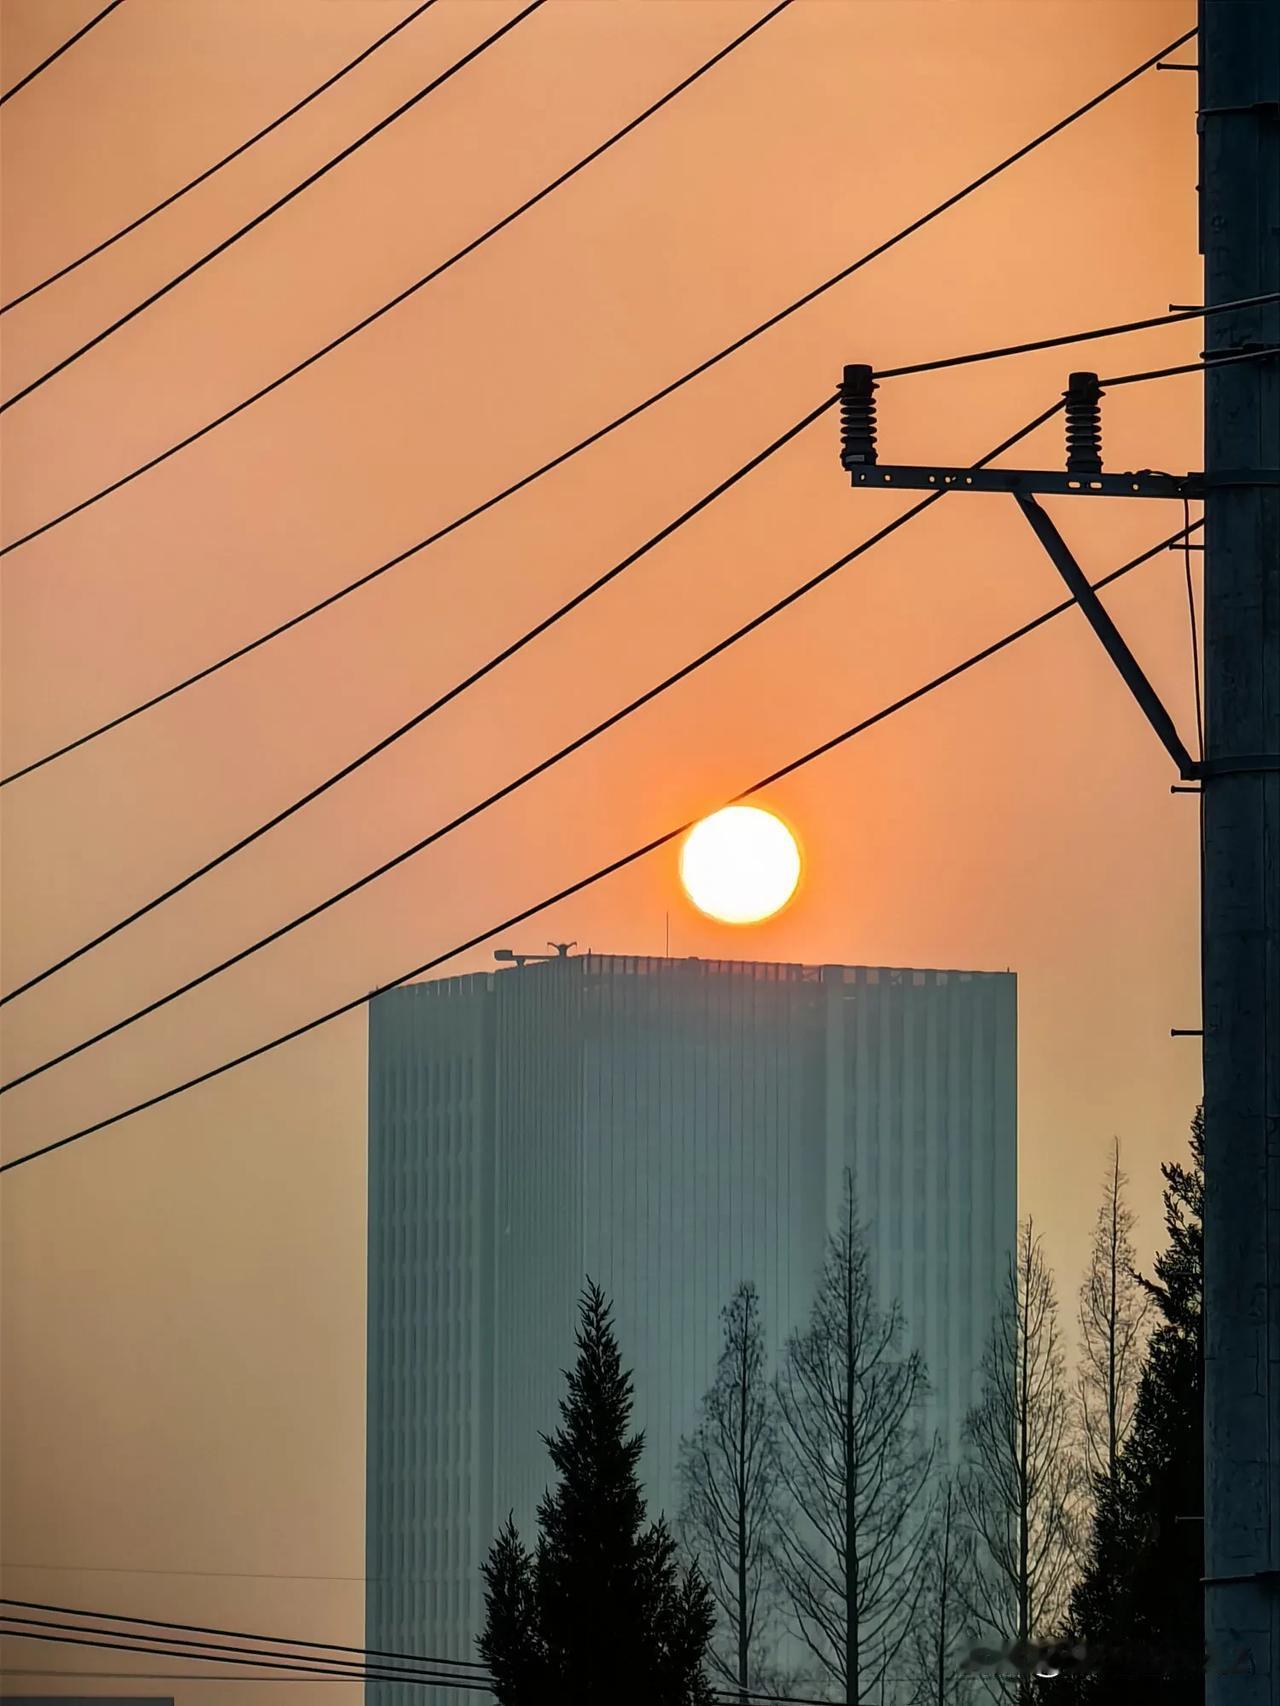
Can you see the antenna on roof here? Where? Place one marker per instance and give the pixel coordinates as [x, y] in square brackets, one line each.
[508, 956]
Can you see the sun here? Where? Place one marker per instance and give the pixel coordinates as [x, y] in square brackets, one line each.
[740, 865]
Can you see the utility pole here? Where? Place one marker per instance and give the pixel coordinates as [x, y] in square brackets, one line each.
[1239, 123]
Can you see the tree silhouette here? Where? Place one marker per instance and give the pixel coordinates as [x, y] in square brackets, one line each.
[1021, 1480]
[941, 1630]
[729, 1474]
[855, 1474]
[601, 1609]
[1139, 1607]
[1114, 1311]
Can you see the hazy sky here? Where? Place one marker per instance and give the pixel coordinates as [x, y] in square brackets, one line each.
[183, 1296]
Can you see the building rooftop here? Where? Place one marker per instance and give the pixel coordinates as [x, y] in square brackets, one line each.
[592, 965]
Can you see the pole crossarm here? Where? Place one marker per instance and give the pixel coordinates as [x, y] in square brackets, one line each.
[1146, 483]
[1113, 641]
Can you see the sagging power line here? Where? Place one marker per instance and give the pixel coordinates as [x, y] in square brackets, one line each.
[209, 171]
[674, 385]
[431, 709]
[280, 202]
[443, 700]
[239, 1634]
[220, 1653]
[1005, 351]
[330, 1669]
[58, 52]
[597, 876]
[540, 769]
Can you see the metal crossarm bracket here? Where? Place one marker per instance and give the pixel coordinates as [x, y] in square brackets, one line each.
[1117, 649]
[1021, 481]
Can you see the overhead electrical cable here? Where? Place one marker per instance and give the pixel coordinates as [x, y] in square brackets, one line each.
[419, 1679]
[196, 1676]
[240, 1634]
[720, 1692]
[266, 213]
[531, 775]
[200, 1649]
[574, 888]
[58, 52]
[441, 701]
[675, 384]
[1267, 353]
[403, 556]
[202, 1575]
[203, 177]
[1150, 323]
[437, 704]
[85, 1674]
[463, 818]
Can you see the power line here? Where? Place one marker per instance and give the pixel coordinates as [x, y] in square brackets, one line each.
[281, 201]
[168, 1676]
[430, 710]
[59, 51]
[446, 699]
[543, 766]
[193, 1676]
[203, 1575]
[201, 1648]
[239, 1634]
[368, 1673]
[433, 538]
[1202, 366]
[203, 177]
[156, 1676]
[728, 1693]
[583, 883]
[675, 384]
[1169, 319]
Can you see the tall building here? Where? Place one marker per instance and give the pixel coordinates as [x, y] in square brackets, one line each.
[670, 1128]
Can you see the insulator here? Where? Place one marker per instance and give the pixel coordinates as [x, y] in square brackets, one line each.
[857, 418]
[1084, 424]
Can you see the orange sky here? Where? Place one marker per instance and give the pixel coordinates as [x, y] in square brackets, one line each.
[181, 1337]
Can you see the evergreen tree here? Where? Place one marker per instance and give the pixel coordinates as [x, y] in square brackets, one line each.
[600, 1610]
[1139, 1608]
[511, 1644]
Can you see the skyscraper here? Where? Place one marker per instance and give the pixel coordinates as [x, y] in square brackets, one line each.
[670, 1128]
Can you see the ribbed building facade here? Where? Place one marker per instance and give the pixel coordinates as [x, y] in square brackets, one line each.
[670, 1128]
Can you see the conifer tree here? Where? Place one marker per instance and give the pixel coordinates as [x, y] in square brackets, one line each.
[1139, 1607]
[600, 1610]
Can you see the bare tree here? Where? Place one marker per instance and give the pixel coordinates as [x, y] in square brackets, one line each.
[1114, 1311]
[1020, 1484]
[729, 1476]
[941, 1631]
[855, 1472]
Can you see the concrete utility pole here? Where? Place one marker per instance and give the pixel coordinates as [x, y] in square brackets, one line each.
[1239, 56]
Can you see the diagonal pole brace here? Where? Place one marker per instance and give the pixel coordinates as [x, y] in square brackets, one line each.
[1149, 701]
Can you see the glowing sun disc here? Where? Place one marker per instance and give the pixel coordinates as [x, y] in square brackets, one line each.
[740, 865]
